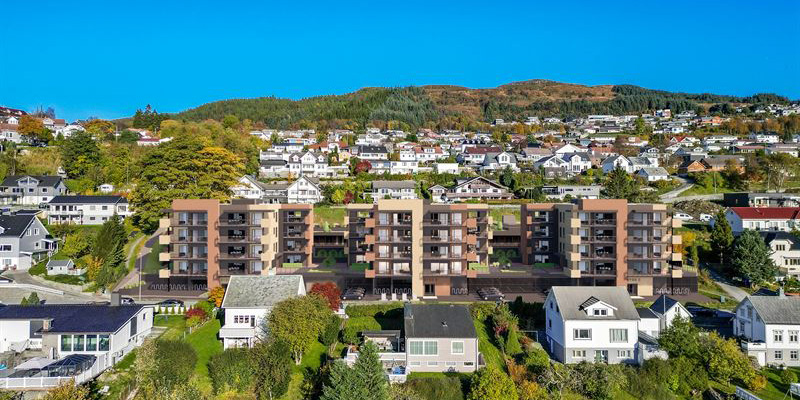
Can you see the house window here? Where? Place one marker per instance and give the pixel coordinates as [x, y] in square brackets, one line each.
[457, 348]
[618, 335]
[91, 342]
[793, 355]
[415, 348]
[104, 343]
[5, 247]
[623, 353]
[415, 363]
[468, 363]
[78, 343]
[432, 363]
[66, 342]
[431, 348]
[578, 353]
[793, 336]
[582, 334]
[600, 312]
[779, 354]
[777, 336]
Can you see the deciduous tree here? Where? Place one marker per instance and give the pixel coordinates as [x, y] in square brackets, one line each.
[491, 383]
[298, 322]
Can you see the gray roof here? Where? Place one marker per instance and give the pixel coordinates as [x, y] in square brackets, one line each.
[646, 313]
[372, 149]
[59, 263]
[394, 184]
[15, 225]
[654, 171]
[777, 309]
[438, 321]
[260, 291]
[74, 318]
[770, 236]
[663, 304]
[44, 180]
[570, 300]
[81, 199]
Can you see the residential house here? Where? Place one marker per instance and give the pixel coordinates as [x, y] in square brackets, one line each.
[403, 190]
[248, 188]
[767, 138]
[445, 168]
[743, 199]
[533, 154]
[304, 190]
[499, 161]
[31, 189]
[667, 310]
[63, 267]
[770, 329]
[476, 188]
[711, 164]
[791, 149]
[474, 155]
[574, 191]
[23, 241]
[309, 164]
[653, 174]
[594, 324]
[273, 168]
[785, 252]
[86, 210]
[763, 218]
[248, 302]
[77, 341]
[435, 338]
[370, 152]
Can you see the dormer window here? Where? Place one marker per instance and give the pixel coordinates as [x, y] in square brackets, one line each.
[600, 312]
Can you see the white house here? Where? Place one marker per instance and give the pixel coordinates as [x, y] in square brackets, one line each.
[785, 252]
[770, 327]
[403, 190]
[763, 218]
[106, 188]
[499, 161]
[304, 190]
[248, 188]
[310, 164]
[667, 309]
[63, 267]
[595, 324]
[24, 240]
[248, 301]
[653, 174]
[446, 168]
[86, 210]
[74, 338]
[30, 189]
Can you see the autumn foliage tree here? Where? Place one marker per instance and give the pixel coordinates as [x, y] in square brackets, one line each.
[330, 292]
[216, 295]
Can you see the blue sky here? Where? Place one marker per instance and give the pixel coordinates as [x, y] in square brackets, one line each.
[107, 58]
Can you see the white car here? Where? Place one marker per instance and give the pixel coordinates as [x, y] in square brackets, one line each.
[706, 217]
[682, 216]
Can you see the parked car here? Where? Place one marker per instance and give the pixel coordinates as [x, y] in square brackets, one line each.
[126, 300]
[491, 294]
[171, 303]
[706, 217]
[353, 294]
[683, 216]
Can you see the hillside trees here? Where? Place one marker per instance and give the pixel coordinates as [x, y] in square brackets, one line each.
[185, 167]
[108, 251]
[80, 153]
[298, 322]
[721, 235]
[750, 258]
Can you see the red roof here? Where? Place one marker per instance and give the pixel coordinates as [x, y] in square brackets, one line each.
[482, 150]
[767, 212]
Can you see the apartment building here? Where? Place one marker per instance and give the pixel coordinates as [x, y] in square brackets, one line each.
[606, 242]
[206, 242]
[416, 248]
[419, 248]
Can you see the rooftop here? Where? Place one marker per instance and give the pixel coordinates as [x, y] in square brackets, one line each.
[261, 291]
[438, 321]
[67, 318]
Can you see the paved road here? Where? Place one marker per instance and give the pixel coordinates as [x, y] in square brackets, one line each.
[685, 185]
[12, 295]
[141, 259]
[717, 196]
[731, 290]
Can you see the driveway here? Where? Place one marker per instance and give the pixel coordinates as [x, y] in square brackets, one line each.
[685, 185]
[733, 291]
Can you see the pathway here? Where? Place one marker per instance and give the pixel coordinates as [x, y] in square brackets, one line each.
[685, 185]
[141, 259]
[737, 293]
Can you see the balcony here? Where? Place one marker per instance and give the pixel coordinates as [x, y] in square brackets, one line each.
[754, 346]
[164, 239]
[164, 257]
[604, 238]
[604, 221]
[293, 234]
[295, 220]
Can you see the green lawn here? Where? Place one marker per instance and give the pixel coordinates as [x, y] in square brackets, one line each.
[152, 265]
[775, 389]
[491, 354]
[205, 342]
[333, 215]
[312, 360]
[175, 324]
[497, 213]
[699, 190]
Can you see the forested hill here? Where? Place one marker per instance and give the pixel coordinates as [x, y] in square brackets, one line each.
[448, 105]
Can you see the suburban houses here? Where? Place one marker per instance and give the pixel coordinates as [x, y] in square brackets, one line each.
[31, 190]
[770, 326]
[24, 240]
[86, 210]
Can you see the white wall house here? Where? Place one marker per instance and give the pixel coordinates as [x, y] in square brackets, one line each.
[403, 190]
[86, 210]
[763, 218]
[249, 300]
[30, 189]
[304, 190]
[24, 240]
[785, 252]
[770, 327]
[594, 324]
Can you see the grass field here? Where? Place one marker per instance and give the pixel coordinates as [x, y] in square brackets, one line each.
[497, 213]
[152, 265]
[204, 341]
[312, 360]
[333, 215]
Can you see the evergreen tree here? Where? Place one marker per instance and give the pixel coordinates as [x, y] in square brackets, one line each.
[80, 154]
[365, 380]
[751, 259]
[721, 235]
[620, 185]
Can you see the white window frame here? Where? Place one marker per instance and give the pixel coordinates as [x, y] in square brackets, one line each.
[576, 336]
[453, 348]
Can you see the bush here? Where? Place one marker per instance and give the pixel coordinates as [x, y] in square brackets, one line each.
[537, 360]
[331, 331]
[439, 388]
[512, 343]
[196, 313]
[230, 370]
[175, 361]
[330, 292]
[207, 307]
[788, 376]
[758, 382]
[355, 325]
[389, 310]
[481, 311]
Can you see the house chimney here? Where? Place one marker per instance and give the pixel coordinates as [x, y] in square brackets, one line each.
[115, 299]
